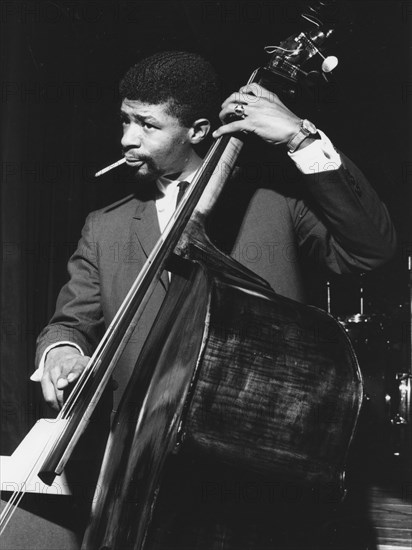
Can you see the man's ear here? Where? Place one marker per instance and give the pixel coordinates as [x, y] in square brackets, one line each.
[199, 130]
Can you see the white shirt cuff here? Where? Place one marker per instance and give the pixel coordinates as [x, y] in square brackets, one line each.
[319, 156]
[38, 374]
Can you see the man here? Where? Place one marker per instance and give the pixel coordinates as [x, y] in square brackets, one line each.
[168, 102]
[329, 213]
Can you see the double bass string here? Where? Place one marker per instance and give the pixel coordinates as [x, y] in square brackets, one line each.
[81, 402]
[179, 219]
[9, 509]
[18, 494]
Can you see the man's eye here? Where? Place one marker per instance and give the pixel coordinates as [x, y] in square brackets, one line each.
[148, 126]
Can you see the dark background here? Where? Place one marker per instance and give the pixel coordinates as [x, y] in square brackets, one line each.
[60, 64]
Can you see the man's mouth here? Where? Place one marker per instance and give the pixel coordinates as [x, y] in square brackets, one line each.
[133, 161]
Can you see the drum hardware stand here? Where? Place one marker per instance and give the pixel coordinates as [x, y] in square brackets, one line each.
[397, 402]
[402, 414]
[328, 296]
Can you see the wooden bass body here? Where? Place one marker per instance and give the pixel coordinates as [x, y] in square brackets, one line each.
[235, 374]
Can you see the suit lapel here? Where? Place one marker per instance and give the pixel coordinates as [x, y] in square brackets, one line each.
[148, 231]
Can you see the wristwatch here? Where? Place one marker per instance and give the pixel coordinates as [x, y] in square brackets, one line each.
[307, 129]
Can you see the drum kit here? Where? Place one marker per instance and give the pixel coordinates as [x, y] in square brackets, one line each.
[383, 344]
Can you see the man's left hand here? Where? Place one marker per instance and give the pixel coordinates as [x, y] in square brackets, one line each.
[264, 115]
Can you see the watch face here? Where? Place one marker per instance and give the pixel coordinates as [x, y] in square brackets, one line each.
[307, 125]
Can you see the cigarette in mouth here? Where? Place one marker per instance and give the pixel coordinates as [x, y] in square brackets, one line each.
[114, 165]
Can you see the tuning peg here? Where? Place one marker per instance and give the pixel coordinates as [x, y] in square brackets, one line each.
[329, 63]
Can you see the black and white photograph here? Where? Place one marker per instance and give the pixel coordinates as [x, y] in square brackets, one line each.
[206, 275]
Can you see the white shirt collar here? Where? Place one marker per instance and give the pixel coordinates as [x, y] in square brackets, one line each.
[169, 190]
[164, 183]
[166, 204]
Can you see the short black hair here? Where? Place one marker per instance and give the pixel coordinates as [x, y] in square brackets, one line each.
[186, 80]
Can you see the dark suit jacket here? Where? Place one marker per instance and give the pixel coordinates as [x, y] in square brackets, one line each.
[335, 218]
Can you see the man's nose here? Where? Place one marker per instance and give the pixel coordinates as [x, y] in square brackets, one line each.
[131, 136]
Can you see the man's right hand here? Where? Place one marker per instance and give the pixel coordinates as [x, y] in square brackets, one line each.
[62, 368]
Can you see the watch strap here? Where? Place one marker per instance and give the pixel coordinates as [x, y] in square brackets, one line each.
[300, 136]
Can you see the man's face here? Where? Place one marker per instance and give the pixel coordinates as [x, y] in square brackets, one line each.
[154, 142]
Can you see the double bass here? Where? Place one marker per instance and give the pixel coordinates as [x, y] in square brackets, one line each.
[230, 371]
